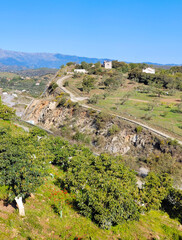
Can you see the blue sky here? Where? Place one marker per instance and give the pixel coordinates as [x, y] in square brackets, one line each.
[128, 30]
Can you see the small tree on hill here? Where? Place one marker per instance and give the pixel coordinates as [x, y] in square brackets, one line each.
[22, 167]
[125, 98]
[6, 113]
[156, 189]
[88, 83]
[113, 83]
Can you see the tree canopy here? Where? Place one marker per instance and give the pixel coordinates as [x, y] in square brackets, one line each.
[6, 113]
[23, 163]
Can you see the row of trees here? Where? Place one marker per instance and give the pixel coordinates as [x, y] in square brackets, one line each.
[167, 81]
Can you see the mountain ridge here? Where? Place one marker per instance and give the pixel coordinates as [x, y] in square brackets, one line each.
[14, 60]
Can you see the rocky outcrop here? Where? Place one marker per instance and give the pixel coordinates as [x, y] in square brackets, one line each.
[47, 114]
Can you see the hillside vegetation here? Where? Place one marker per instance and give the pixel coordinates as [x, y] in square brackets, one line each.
[154, 99]
[33, 82]
[78, 195]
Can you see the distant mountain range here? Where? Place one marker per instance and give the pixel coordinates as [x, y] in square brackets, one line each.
[14, 61]
[11, 60]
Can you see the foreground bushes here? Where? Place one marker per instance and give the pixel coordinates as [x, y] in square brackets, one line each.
[172, 204]
[105, 189]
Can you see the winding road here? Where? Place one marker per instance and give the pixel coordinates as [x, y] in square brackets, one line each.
[73, 98]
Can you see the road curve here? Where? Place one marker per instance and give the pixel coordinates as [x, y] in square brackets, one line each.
[72, 96]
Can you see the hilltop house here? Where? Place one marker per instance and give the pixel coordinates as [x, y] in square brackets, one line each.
[80, 71]
[107, 64]
[149, 70]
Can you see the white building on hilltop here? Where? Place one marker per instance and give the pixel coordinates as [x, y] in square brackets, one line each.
[107, 64]
[80, 71]
[149, 70]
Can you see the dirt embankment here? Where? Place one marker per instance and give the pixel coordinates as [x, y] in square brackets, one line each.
[104, 132]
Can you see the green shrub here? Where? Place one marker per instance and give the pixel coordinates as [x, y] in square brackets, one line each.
[52, 86]
[61, 102]
[101, 119]
[147, 117]
[81, 137]
[66, 84]
[6, 113]
[69, 104]
[113, 130]
[94, 99]
[105, 189]
[91, 112]
[138, 129]
[155, 190]
[172, 204]
[70, 63]
[173, 142]
[38, 132]
[88, 83]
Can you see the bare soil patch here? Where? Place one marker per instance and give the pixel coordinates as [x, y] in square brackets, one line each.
[169, 100]
[5, 207]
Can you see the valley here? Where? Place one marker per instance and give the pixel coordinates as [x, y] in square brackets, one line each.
[69, 112]
[96, 151]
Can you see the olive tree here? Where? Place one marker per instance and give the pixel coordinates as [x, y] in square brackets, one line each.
[23, 164]
[6, 112]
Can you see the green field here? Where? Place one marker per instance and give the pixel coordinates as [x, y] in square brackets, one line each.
[164, 116]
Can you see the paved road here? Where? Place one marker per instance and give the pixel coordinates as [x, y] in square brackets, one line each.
[78, 99]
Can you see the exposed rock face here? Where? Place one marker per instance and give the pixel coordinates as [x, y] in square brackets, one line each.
[46, 114]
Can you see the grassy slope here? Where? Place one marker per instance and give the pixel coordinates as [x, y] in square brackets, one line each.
[164, 116]
[43, 222]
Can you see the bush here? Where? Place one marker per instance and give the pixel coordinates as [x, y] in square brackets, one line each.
[101, 120]
[113, 83]
[113, 130]
[172, 204]
[52, 86]
[69, 104]
[70, 63]
[88, 83]
[105, 189]
[147, 117]
[91, 112]
[94, 99]
[38, 132]
[66, 84]
[6, 113]
[138, 129]
[156, 189]
[173, 142]
[81, 137]
[61, 102]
